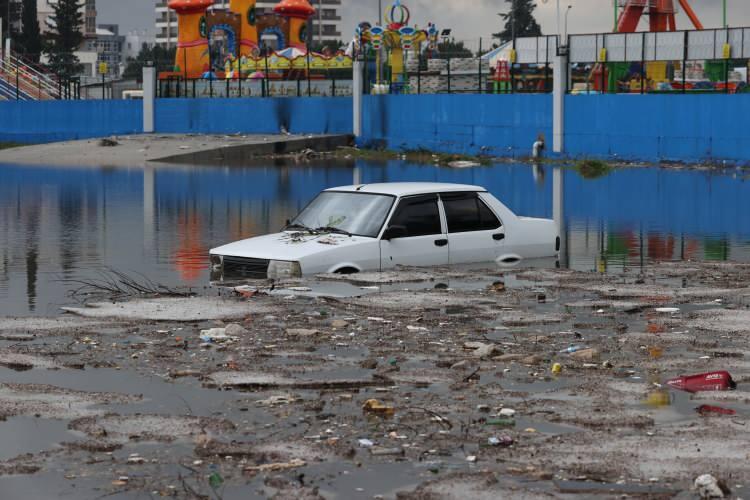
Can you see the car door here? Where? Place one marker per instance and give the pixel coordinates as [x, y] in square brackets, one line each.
[423, 242]
[475, 233]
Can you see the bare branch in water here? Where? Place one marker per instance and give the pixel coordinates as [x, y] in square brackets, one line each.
[117, 284]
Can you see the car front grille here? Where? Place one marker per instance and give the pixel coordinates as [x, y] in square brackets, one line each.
[244, 268]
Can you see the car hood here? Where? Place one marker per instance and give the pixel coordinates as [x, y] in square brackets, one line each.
[288, 246]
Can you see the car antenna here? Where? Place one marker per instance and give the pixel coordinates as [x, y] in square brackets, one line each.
[360, 188]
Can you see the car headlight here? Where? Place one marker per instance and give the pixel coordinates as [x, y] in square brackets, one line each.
[281, 269]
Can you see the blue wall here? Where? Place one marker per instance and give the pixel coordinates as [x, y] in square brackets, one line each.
[503, 125]
[651, 127]
[49, 121]
[318, 115]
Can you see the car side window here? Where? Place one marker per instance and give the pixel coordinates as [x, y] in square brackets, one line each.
[466, 212]
[420, 216]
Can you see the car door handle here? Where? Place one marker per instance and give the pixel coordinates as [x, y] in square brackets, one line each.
[498, 237]
[441, 243]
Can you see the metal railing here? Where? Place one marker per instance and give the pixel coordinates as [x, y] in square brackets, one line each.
[179, 87]
[28, 83]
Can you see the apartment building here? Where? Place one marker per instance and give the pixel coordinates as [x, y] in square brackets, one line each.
[45, 14]
[325, 27]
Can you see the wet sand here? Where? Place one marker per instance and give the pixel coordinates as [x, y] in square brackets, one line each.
[428, 384]
[138, 150]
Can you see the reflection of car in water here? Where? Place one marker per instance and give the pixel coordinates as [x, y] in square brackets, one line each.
[380, 226]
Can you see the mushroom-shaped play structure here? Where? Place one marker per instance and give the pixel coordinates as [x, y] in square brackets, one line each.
[249, 18]
[192, 41]
[298, 12]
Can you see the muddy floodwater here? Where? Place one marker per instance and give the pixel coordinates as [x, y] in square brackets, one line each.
[539, 381]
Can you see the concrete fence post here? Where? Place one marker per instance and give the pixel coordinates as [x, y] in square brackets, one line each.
[558, 212]
[560, 89]
[149, 98]
[357, 90]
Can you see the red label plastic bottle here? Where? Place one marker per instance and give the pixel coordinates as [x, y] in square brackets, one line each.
[714, 381]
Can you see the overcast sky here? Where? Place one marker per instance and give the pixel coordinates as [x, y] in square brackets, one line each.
[470, 19]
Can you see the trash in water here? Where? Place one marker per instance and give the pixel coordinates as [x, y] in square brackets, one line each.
[667, 310]
[375, 406]
[572, 349]
[586, 354]
[502, 422]
[366, 443]
[507, 412]
[463, 164]
[659, 399]
[708, 486]
[717, 410]
[557, 369]
[385, 452]
[215, 335]
[714, 381]
[215, 480]
[656, 328]
[655, 352]
[503, 441]
[276, 467]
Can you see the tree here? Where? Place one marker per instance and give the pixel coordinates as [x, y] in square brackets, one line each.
[65, 38]
[31, 37]
[519, 21]
[162, 59]
[4, 15]
[453, 50]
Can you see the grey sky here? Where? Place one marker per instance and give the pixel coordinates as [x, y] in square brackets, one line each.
[469, 19]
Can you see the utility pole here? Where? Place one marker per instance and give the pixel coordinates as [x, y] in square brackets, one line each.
[614, 9]
[725, 14]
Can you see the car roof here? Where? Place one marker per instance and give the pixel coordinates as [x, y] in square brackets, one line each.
[409, 188]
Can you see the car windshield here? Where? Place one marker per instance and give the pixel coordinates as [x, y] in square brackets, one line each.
[360, 214]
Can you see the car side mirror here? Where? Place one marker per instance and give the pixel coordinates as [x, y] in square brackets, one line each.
[395, 232]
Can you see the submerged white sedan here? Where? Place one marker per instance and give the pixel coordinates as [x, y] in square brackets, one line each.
[374, 227]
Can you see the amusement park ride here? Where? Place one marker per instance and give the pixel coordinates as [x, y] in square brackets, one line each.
[237, 33]
[661, 15]
[654, 76]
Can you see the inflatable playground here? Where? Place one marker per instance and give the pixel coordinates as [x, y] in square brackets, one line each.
[394, 49]
[229, 43]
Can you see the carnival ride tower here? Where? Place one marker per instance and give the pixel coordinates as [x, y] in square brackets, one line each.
[661, 15]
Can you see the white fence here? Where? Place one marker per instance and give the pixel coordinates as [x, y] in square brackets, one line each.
[637, 47]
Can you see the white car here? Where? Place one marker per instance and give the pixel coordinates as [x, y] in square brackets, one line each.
[375, 227]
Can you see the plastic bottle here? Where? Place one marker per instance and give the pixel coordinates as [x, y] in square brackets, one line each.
[572, 349]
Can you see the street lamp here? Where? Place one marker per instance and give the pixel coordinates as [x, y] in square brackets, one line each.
[725, 14]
